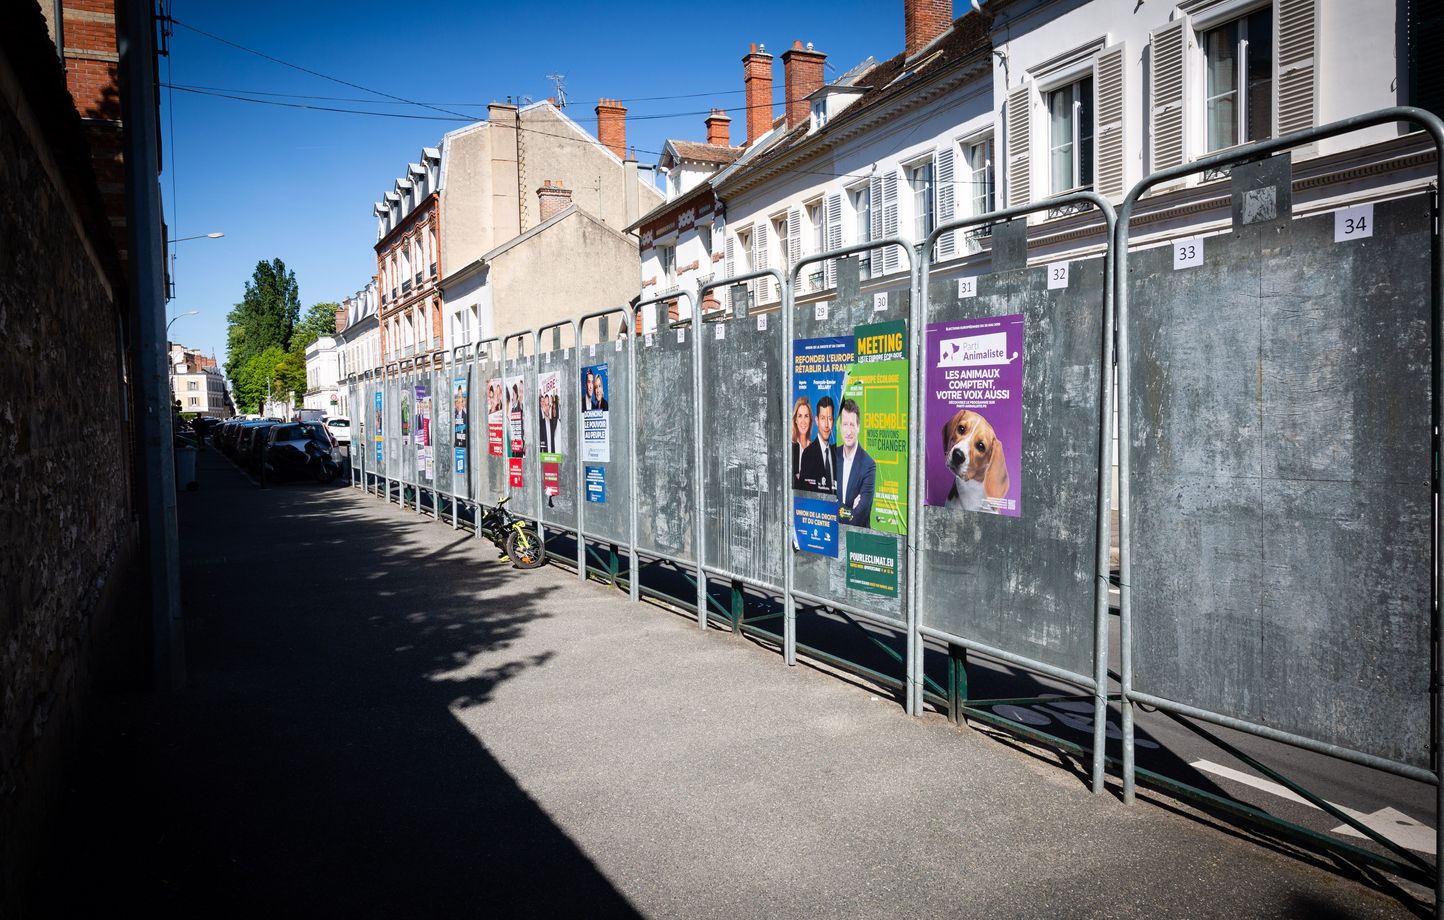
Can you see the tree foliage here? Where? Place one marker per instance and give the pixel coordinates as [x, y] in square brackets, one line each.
[319, 321]
[265, 318]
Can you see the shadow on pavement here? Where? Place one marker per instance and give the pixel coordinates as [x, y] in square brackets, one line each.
[312, 765]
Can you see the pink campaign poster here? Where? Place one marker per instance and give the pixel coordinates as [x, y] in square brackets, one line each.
[974, 415]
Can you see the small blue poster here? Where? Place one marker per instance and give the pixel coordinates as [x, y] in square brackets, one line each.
[814, 525]
[597, 485]
[460, 459]
[377, 428]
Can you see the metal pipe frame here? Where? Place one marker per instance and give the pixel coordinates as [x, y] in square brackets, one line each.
[1435, 128]
[478, 503]
[391, 374]
[913, 665]
[789, 615]
[1099, 683]
[457, 359]
[694, 313]
[506, 340]
[576, 329]
[628, 317]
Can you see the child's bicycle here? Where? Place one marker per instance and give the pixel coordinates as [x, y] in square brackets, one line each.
[517, 538]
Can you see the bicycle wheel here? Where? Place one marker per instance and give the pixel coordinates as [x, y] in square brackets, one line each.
[524, 548]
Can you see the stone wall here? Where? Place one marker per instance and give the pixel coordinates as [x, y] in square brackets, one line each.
[66, 510]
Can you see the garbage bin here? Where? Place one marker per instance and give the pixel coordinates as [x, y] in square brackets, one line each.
[185, 468]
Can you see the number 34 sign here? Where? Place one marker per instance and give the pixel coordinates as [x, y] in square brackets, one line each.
[1354, 223]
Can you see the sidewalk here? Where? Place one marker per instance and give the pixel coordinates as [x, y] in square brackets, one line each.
[381, 721]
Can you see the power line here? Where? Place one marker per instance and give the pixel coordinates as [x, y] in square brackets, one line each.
[314, 73]
[320, 108]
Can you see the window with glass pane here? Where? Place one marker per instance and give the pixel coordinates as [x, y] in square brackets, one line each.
[920, 177]
[1070, 136]
[704, 235]
[861, 200]
[668, 257]
[980, 167]
[1239, 56]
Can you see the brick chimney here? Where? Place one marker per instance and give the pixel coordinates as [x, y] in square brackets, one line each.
[925, 20]
[341, 317]
[757, 78]
[612, 126]
[719, 128]
[802, 71]
[553, 198]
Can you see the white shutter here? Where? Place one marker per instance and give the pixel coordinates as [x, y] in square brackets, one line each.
[1020, 177]
[763, 286]
[874, 220]
[1297, 48]
[891, 260]
[946, 191]
[729, 265]
[1167, 54]
[832, 238]
[1108, 136]
[794, 237]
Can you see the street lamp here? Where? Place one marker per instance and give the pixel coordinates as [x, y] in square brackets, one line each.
[178, 316]
[171, 278]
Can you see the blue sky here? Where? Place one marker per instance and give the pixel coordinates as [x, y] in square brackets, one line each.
[298, 185]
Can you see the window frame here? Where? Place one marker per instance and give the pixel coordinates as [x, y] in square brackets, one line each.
[989, 196]
[1076, 141]
[924, 219]
[1207, 19]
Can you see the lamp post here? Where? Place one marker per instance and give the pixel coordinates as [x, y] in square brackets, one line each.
[171, 278]
[178, 316]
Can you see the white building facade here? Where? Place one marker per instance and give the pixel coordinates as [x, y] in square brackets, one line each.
[322, 376]
[358, 342]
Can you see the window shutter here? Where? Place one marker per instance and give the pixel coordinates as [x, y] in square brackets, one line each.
[1108, 89]
[1297, 47]
[946, 192]
[874, 230]
[890, 260]
[832, 238]
[1020, 177]
[729, 265]
[794, 237]
[1169, 45]
[763, 286]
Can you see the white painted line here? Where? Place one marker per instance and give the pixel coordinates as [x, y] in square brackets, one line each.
[1388, 822]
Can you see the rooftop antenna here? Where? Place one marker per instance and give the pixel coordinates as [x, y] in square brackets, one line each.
[559, 80]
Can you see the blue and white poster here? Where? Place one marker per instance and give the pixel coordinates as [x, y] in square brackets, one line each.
[814, 525]
[597, 485]
[377, 427]
[596, 441]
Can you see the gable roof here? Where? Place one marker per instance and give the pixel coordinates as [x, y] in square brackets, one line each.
[890, 81]
[704, 153]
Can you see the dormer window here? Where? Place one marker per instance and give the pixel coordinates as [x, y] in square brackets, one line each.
[819, 113]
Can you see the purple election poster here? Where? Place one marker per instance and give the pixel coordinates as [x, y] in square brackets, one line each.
[974, 414]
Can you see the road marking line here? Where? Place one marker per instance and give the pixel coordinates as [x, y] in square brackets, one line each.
[1388, 822]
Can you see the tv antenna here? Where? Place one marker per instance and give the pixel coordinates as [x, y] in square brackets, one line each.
[559, 80]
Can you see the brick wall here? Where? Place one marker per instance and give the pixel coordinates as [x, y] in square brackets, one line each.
[925, 20]
[66, 508]
[757, 81]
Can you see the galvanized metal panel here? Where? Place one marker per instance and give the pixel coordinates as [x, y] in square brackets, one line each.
[526, 500]
[1280, 414]
[666, 435]
[1026, 584]
[743, 505]
[610, 520]
[560, 510]
[825, 576]
[491, 480]
[393, 427]
[443, 396]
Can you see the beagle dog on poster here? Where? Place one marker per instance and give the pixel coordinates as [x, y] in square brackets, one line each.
[974, 414]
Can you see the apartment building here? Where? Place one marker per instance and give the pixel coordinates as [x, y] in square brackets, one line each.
[408, 264]
[322, 370]
[524, 192]
[197, 384]
[358, 339]
[1023, 100]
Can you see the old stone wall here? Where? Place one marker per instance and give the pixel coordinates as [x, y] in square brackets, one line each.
[67, 527]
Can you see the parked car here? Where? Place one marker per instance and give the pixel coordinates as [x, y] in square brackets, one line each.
[300, 449]
[253, 444]
[340, 428]
[310, 415]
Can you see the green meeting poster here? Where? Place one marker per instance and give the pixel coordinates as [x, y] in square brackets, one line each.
[878, 385]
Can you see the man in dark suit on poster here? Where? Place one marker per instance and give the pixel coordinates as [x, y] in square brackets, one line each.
[857, 471]
[817, 467]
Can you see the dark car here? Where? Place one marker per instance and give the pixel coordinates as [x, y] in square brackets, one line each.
[253, 444]
[300, 449]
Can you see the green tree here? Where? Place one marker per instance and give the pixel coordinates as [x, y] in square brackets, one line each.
[320, 320]
[248, 383]
[266, 316]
